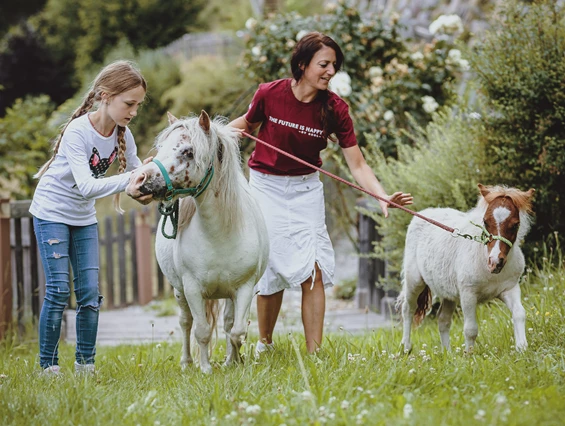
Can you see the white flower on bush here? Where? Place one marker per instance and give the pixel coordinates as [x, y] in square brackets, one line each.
[430, 104]
[375, 72]
[417, 56]
[256, 50]
[446, 24]
[454, 58]
[273, 28]
[301, 34]
[341, 84]
[250, 23]
[388, 115]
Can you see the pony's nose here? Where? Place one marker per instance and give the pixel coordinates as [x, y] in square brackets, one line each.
[496, 265]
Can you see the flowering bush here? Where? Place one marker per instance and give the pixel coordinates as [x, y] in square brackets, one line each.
[384, 77]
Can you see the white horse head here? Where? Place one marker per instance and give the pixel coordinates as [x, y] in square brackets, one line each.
[195, 155]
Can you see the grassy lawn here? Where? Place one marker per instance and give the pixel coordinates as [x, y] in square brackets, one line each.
[353, 380]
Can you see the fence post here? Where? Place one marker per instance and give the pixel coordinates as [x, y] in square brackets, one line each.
[371, 269]
[6, 296]
[143, 242]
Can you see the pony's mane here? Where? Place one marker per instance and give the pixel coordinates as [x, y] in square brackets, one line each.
[221, 147]
[520, 198]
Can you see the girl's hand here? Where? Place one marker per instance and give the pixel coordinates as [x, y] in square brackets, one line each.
[147, 160]
[399, 198]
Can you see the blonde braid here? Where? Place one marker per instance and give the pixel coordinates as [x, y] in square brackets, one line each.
[81, 110]
[123, 163]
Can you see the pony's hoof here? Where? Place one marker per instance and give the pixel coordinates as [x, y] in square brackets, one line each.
[206, 369]
[185, 364]
[522, 347]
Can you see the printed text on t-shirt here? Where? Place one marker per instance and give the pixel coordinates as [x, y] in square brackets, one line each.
[305, 130]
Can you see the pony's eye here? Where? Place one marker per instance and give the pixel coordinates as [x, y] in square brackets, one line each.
[187, 153]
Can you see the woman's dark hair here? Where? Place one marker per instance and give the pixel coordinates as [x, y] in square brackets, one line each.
[303, 53]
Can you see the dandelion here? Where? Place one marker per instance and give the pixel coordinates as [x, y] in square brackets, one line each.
[158, 345]
[253, 410]
[407, 411]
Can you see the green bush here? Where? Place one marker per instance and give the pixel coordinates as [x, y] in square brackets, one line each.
[442, 169]
[520, 67]
[24, 143]
[389, 75]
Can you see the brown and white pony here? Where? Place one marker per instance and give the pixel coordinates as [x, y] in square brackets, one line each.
[219, 247]
[463, 270]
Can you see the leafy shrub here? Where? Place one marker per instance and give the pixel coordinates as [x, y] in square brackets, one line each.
[388, 76]
[345, 290]
[520, 67]
[24, 142]
[442, 169]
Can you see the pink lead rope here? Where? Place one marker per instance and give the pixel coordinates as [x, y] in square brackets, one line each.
[398, 206]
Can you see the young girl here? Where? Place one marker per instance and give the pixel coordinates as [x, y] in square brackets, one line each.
[64, 217]
[298, 115]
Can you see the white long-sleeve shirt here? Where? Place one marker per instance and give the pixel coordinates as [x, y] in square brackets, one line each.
[67, 190]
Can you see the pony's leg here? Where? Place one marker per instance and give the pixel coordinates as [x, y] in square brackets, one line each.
[202, 330]
[228, 325]
[470, 327]
[242, 303]
[512, 299]
[185, 321]
[413, 285]
[444, 321]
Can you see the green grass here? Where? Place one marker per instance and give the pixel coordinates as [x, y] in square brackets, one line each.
[353, 380]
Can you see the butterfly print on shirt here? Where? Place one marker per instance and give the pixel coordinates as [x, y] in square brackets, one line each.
[99, 166]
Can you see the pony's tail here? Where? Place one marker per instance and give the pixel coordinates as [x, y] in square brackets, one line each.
[424, 304]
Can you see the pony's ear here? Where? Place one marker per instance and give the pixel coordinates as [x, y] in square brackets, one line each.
[530, 193]
[172, 118]
[204, 121]
[484, 190]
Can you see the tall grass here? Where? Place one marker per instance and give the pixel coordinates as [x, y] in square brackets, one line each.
[352, 380]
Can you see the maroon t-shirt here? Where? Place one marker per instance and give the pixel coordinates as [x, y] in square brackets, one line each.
[295, 127]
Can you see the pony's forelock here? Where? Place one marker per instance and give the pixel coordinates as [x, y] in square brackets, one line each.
[522, 200]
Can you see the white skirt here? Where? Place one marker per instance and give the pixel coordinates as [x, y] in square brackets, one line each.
[294, 211]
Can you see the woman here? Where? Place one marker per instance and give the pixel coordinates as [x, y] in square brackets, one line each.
[298, 115]
[64, 217]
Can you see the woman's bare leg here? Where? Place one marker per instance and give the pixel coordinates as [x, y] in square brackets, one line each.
[313, 311]
[268, 308]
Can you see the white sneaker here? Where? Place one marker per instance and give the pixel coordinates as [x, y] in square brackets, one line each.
[84, 368]
[53, 370]
[263, 347]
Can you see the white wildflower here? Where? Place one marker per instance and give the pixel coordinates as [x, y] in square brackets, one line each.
[273, 28]
[407, 411]
[253, 410]
[341, 84]
[388, 115]
[417, 56]
[344, 404]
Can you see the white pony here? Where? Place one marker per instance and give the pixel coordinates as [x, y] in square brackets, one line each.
[221, 249]
[465, 271]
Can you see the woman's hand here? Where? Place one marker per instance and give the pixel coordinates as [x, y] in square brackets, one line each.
[399, 198]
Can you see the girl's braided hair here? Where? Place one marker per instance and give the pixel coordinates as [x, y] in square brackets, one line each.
[114, 79]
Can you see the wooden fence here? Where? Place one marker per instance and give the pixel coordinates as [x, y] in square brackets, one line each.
[129, 273]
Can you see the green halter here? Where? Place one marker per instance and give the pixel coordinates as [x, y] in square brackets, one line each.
[485, 237]
[173, 211]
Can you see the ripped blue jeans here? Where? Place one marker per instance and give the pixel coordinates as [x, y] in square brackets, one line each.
[58, 244]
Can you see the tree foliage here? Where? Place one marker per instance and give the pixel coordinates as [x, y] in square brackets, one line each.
[520, 67]
[28, 67]
[86, 30]
[24, 141]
